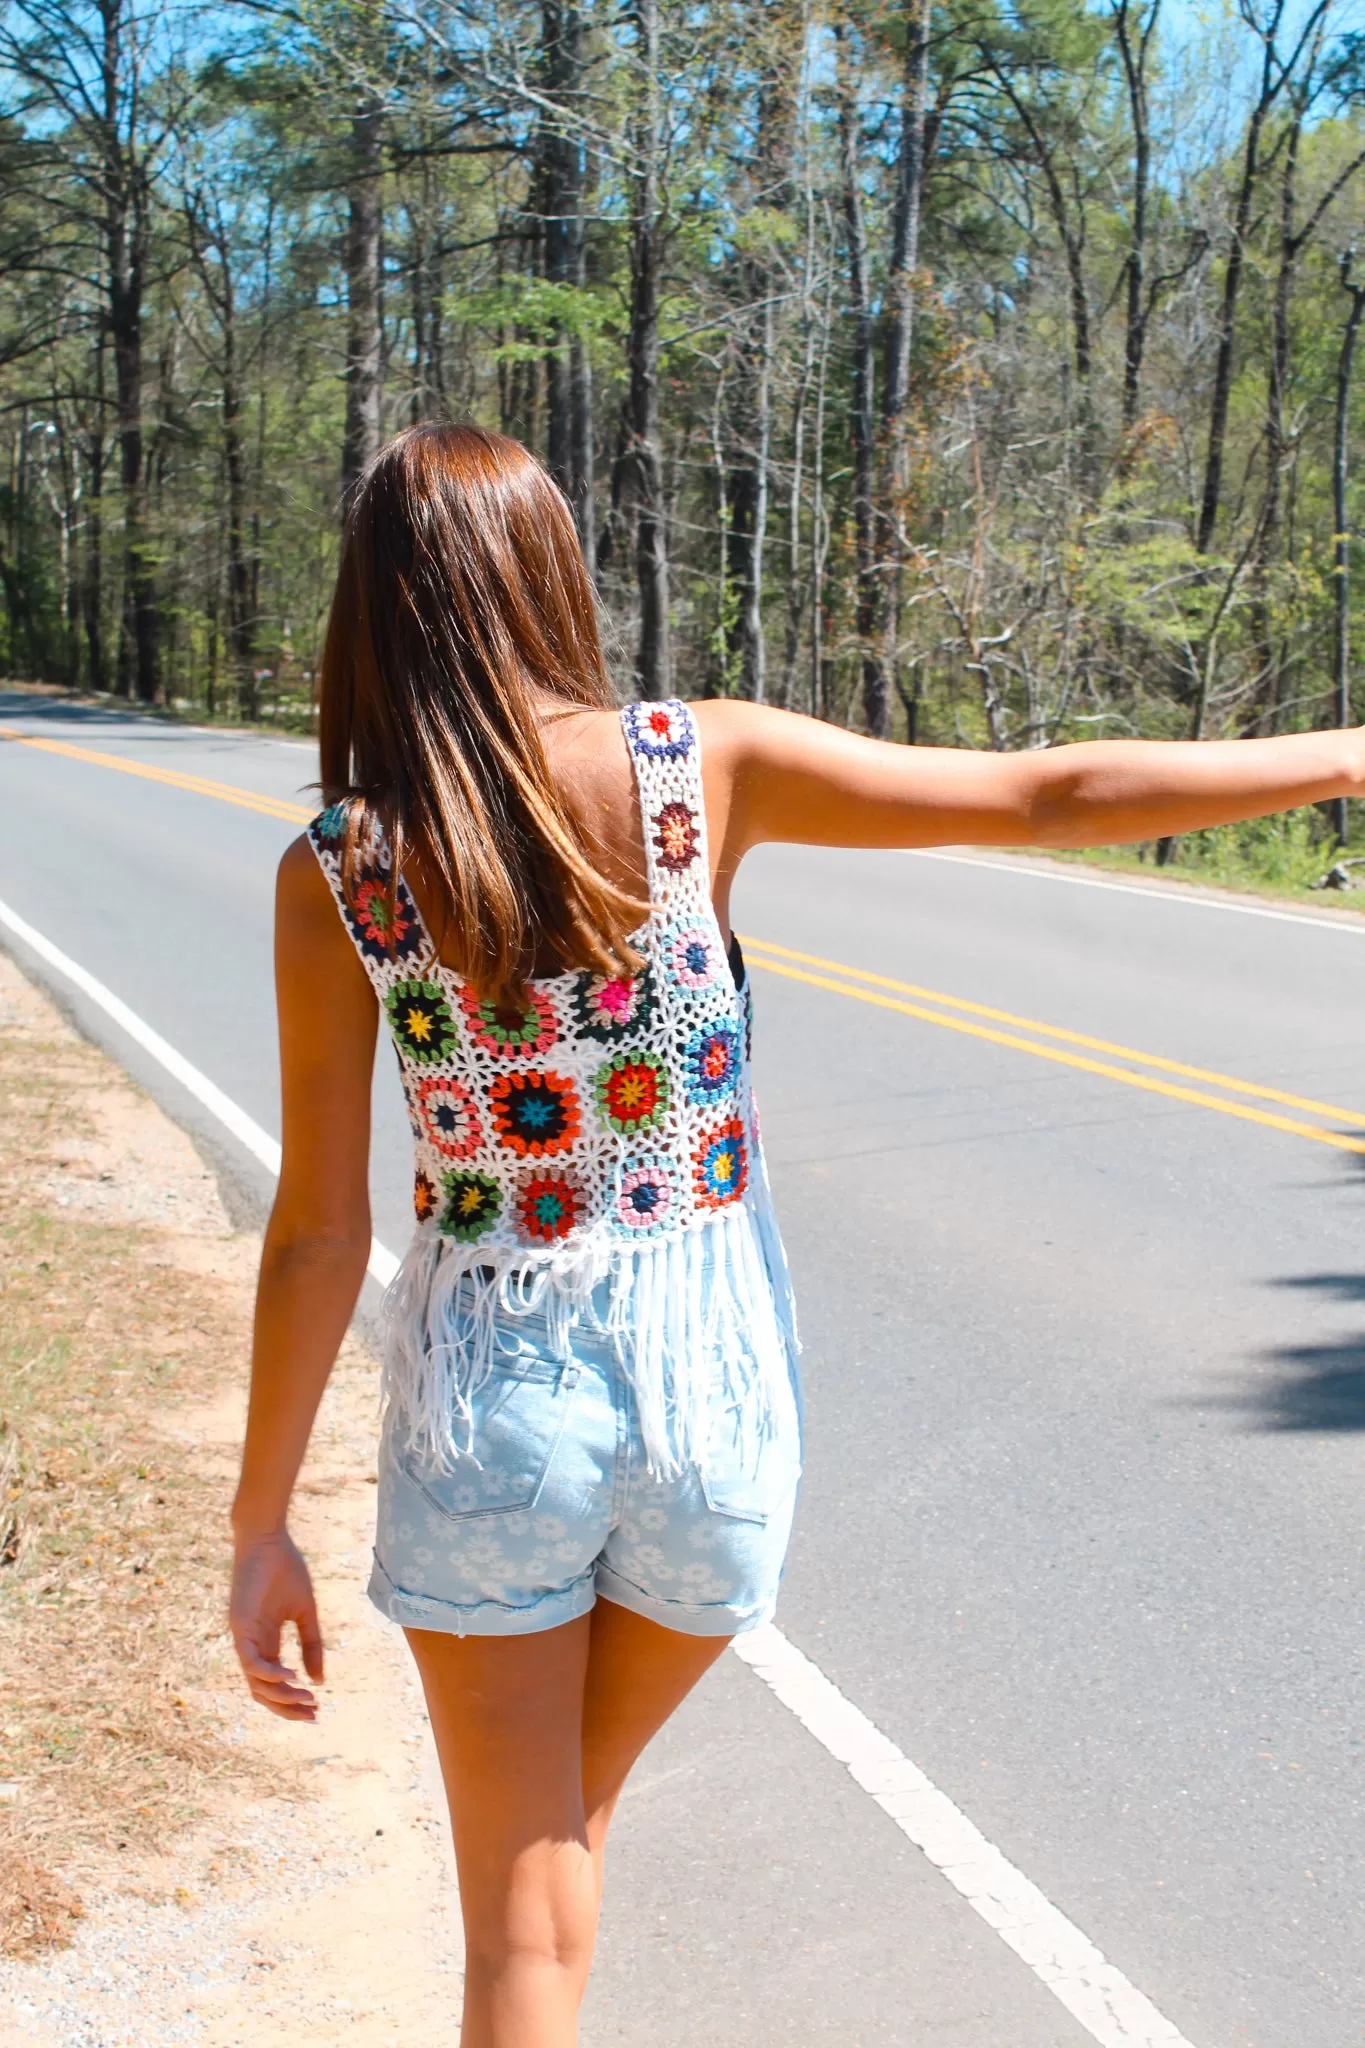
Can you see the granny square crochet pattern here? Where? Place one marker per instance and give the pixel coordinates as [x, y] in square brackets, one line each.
[605, 1132]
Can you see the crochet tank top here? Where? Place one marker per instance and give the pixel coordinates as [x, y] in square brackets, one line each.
[595, 1157]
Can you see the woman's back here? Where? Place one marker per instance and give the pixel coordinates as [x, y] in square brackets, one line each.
[593, 1139]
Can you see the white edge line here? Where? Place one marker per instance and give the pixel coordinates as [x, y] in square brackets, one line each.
[1152, 892]
[1112, 2011]
[259, 1143]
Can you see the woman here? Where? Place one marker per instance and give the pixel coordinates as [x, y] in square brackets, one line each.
[591, 1443]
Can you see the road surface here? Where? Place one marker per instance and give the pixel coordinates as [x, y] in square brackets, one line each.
[1083, 1528]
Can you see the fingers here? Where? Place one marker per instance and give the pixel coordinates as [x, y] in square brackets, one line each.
[283, 1696]
[310, 1643]
[271, 1587]
[276, 1685]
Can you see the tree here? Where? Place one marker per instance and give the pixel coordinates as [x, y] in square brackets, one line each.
[654, 666]
[876, 704]
[1341, 539]
[364, 291]
[1274, 75]
[563, 178]
[81, 71]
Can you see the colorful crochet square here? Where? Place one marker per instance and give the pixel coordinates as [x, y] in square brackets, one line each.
[632, 1092]
[693, 957]
[423, 1198]
[382, 930]
[647, 1197]
[659, 732]
[676, 838]
[473, 1203]
[720, 1165]
[331, 823]
[711, 1063]
[511, 1033]
[420, 1019]
[449, 1117]
[548, 1208]
[608, 1007]
[535, 1114]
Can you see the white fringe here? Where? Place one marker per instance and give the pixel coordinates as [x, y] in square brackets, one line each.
[670, 1320]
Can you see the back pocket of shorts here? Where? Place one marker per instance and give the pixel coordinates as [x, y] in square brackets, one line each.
[751, 1468]
[519, 1421]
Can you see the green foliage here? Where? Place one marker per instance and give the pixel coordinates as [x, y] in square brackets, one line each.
[1038, 530]
[1287, 854]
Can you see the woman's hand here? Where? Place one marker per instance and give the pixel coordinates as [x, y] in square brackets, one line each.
[270, 1586]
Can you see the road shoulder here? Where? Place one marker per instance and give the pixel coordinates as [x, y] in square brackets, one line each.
[299, 1882]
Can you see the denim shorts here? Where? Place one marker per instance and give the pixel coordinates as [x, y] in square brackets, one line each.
[555, 1505]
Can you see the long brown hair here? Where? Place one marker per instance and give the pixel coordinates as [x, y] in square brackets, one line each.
[461, 596]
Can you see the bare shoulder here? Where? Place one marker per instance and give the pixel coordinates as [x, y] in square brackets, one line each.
[309, 933]
[752, 748]
[301, 891]
[751, 737]
[734, 727]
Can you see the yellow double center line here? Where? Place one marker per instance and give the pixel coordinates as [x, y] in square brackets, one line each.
[198, 785]
[951, 1013]
[886, 994]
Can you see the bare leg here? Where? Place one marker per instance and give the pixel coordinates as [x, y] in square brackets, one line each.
[536, 1735]
[506, 1712]
[638, 1674]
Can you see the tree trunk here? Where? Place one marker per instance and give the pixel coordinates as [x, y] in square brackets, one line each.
[752, 636]
[1133, 50]
[900, 292]
[584, 500]
[240, 620]
[560, 184]
[876, 703]
[92, 592]
[568, 370]
[1227, 324]
[781, 41]
[653, 668]
[126, 242]
[1071, 232]
[365, 332]
[800, 404]
[262, 374]
[1341, 594]
[137, 666]
[421, 312]
[1276, 433]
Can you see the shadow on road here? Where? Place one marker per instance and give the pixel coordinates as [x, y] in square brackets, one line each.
[145, 721]
[1316, 1386]
[20, 703]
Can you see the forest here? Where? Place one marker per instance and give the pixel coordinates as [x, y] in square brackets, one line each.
[970, 372]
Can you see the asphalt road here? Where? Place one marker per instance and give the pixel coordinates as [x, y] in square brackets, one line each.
[1083, 1528]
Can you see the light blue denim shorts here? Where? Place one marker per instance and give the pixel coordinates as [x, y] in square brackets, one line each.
[555, 1506]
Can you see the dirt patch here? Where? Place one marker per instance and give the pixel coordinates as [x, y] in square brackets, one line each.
[175, 1865]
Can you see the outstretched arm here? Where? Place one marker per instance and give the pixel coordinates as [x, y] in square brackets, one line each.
[795, 778]
[317, 1245]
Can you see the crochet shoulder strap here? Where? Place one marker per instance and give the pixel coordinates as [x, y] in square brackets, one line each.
[386, 931]
[666, 750]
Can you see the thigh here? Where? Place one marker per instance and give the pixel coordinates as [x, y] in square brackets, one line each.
[507, 1715]
[637, 1674]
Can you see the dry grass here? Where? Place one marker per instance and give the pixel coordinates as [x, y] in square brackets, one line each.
[112, 1543]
